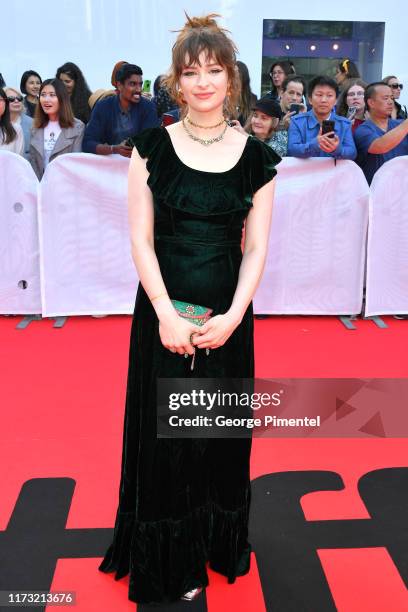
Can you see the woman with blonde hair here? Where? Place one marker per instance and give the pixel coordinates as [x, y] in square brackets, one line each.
[399, 111]
[184, 503]
[19, 117]
[11, 137]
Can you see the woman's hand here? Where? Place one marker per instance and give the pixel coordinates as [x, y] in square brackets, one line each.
[286, 119]
[175, 334]
[215, 332]
[234, 123]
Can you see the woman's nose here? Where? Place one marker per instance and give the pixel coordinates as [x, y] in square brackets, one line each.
[202, 79]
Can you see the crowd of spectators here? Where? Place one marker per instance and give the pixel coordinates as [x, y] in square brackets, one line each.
[341, 117]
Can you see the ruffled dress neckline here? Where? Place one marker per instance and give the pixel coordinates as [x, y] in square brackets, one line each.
[204, 171]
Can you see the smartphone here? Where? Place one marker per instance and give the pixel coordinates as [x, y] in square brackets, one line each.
[295, 108]
[328, 126]
[146, 86]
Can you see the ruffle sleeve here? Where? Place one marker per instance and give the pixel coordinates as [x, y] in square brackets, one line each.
[147, 142]
[259, 164]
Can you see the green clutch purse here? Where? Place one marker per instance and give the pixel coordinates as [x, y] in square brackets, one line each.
[192, 312]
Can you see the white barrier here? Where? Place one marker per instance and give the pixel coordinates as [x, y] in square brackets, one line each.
[86, 264]
[316, 256]
[387, 252]
[315, 262]
[19, 250]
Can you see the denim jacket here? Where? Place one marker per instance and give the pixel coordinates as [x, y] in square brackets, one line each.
[304, 129]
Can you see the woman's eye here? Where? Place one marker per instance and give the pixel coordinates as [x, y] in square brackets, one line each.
[188, 73]
[216, 70]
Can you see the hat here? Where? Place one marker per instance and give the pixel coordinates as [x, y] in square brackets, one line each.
[99, 94]
[269, 107]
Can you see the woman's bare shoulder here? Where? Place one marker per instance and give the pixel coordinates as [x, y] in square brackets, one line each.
[173, 128]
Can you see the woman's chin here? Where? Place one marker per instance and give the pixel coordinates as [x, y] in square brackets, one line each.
[205, 106]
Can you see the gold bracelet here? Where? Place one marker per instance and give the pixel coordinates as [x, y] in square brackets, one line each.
[157, 296]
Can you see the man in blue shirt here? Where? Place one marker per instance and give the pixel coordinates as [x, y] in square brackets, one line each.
[379, 138]
[118, 117]
[305, 137]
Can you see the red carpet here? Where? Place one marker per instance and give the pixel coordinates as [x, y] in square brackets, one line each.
[62, 398]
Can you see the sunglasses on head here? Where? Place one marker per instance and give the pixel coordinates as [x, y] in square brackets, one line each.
[15, 98]
[397, 86]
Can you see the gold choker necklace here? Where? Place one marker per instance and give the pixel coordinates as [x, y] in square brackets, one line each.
[205, 127]
[205, 141]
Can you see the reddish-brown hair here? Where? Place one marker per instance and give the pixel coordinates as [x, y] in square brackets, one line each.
[204, 34]
[65, 114]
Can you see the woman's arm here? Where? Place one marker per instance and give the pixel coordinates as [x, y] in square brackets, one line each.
[257, 230]
[218, 329]
[174, 331]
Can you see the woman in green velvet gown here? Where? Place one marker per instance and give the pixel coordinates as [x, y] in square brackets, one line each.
[184, 503]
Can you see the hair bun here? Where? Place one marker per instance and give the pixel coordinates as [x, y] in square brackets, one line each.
[206, 21]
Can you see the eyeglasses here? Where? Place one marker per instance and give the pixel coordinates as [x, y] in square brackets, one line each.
[355, 94]
[15, 98]
[397, 86]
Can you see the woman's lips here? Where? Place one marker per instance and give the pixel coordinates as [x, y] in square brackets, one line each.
[203, 96]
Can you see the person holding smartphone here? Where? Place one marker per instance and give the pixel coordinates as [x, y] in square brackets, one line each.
[291, 104]
[320, 132]
[351, 103]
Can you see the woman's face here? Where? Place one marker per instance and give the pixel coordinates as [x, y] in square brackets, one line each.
[278, 75]
[355, 97]
[2, 106]
[16, 106]
[33, 85]
[68, 82]
[339, 76]
[262, 124]
[204, 85]
[396, 91]
[49, 101]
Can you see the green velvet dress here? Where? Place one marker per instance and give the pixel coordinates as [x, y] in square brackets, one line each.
[184, 503]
